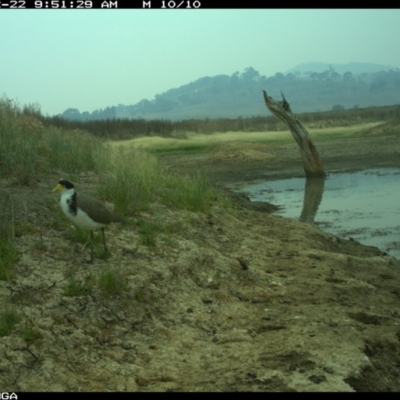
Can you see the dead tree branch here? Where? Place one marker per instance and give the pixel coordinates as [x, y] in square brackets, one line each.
[312, 162]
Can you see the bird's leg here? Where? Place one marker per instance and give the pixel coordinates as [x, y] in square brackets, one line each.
[104, 241]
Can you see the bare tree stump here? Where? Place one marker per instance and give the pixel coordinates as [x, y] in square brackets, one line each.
[312, 162]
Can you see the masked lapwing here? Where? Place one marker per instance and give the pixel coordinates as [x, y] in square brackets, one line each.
[85, 212]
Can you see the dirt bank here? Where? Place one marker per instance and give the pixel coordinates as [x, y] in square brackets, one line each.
[257, 162]
[223, 302]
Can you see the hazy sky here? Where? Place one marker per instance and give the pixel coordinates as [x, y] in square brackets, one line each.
[91, 59]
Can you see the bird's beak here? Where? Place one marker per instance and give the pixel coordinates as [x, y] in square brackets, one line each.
[58, 188]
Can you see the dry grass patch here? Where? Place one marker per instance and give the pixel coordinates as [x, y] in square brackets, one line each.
[200, 143]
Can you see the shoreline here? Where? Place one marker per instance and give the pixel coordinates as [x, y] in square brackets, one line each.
[283, 161]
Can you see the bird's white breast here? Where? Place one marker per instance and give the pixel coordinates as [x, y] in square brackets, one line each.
[81, 219]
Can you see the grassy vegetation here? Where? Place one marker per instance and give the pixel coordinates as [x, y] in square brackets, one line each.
[118, 129]
[61, 150]
[82, 236]
[344, 132]
[188, 144]
[201, 143]
[7, 217]
[136, 180]
[30, 334]
[27, 147]
[8, 319]
[130, 181]
[79, 288]
[147, 231]
[8, 252]
[112, 281]
[189, 193]
[8, 256]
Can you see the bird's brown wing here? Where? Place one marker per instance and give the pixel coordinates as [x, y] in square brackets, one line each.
[97, 210]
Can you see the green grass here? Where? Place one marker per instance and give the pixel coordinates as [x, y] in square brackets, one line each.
[7, 217]
[111, 281]
[188, 193]
[157, 145]
[203, 143]
[27, 147]
[18, 143]
[8, 256]
[154, 226]
[131, 181]
[342, 132]
[61, 150]
[139, 295]
[79, 288]
[30, 334]
[82, 236]
[148, 232]
[8, 319]
[136, 180]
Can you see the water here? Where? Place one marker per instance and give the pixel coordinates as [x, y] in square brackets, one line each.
[364, 205]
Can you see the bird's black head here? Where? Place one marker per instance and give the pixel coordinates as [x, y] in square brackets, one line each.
[66, 184]
[63, 184]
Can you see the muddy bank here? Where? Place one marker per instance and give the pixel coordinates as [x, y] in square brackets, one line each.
[224, 301]
[255, 162]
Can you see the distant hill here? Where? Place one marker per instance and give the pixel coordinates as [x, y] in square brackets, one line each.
[240, 95]
[353, 67]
